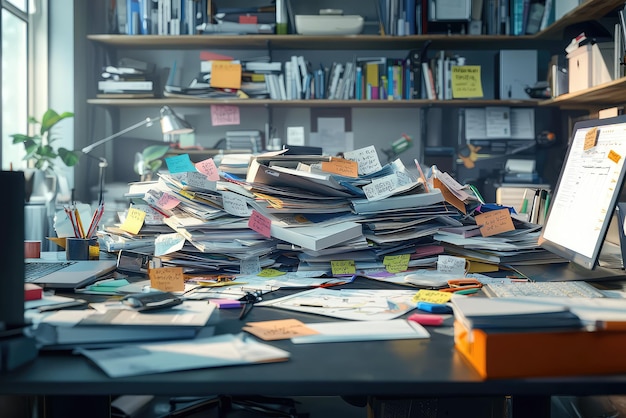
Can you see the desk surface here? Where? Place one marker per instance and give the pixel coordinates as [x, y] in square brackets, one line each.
[430, 367]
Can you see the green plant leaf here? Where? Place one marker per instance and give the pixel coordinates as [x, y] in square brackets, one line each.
[154, 152]
[153, 166]
[70, 158]
[51, 118]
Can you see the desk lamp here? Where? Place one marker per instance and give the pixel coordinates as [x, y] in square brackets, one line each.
[171, 123]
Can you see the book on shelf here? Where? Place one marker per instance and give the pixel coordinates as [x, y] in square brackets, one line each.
[124, 86]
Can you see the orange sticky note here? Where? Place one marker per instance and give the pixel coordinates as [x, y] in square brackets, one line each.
[167, 279]
[341, 166]
[281, 329]
[591, 138]
[225, 74]
[613, 156]
[495, 222]
[260, 224]
[134, 220]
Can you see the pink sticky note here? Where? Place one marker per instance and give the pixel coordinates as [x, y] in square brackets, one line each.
[209, 169]
[224, 115]
[260, 224]
[167, 201]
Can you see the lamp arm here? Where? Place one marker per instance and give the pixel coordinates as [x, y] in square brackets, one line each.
[146, 121]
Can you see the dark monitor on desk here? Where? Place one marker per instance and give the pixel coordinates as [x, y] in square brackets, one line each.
[587, 194]
[12, 250]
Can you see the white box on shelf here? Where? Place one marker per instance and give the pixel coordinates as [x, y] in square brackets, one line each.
[517, 70]
[590, 65]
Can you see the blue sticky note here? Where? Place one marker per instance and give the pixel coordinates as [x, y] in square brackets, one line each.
[180, 164]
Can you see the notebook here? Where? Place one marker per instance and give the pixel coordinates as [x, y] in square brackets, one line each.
[66, 274]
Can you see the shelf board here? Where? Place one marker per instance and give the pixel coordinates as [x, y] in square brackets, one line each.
[156, 102]
[589, 10]
[301, 42]
[604, 95]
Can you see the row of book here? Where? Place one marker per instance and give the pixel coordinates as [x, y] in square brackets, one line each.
[395, 17]
[362, 78]
[187, 17]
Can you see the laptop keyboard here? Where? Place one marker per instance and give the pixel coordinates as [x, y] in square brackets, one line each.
[34, 270]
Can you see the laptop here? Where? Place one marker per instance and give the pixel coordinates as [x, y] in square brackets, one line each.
[62, 274]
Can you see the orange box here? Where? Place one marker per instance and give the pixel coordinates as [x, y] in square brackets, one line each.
[535, 354]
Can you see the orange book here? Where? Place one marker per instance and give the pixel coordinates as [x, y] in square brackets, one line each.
[544, 353]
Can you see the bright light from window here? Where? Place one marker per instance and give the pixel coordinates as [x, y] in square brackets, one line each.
[14, 87]
[20, 4]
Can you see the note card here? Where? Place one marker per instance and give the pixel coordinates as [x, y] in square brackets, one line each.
[225, 115]
[133, 221]
[591, 138]
[466, 82]
[225, 74]
[341, 166]
[432, 296]
[281, 329]
[342, 267]
[167, 201]
[397, 263]
[235, 204]
[179, 164]
[167, 279]
[495, 222]
[260, 224]
[209, 169]
[367, 159]
[451, 264]
[381, 187]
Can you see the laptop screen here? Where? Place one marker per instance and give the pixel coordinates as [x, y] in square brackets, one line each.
[587, 191]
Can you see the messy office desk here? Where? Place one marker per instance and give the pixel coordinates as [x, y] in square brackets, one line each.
[401, 368]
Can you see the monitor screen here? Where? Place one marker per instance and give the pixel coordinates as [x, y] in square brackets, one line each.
[587, 191]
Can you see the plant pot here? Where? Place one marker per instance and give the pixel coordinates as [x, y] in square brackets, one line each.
[41, 186]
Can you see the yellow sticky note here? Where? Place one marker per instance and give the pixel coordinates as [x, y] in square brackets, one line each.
[167, 279]
[432, 296]
[225, 74]
[134, 220]
[397, 263]
[270, 273]
[342, 267]
[466, 82]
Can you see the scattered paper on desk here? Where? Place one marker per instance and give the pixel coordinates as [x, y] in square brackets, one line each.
[218, 351]
[353, 304]
[281, 329]
[395, 329]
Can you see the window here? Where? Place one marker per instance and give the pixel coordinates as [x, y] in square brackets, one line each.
[18, 61]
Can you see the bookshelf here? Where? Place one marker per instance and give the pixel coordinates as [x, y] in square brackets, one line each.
[100, 45]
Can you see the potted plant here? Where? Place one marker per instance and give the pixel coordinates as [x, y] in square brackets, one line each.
[148, 162]
[41, 153]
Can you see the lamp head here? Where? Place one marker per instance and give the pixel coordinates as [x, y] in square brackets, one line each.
[171, 123]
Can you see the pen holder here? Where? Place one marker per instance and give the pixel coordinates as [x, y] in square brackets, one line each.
[82, 249]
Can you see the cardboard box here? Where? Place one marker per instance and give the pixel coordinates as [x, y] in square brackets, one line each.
[590, 65]
[535, 354]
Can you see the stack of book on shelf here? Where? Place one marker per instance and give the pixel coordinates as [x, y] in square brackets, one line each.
[527, 337]
[128, 79]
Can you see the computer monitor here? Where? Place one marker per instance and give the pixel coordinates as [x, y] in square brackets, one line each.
[12, 248]
[586, 194]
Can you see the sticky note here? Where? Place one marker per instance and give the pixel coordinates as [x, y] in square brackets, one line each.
[179, 164]
[342, 267]
[341, 166]
[209, 169]
[260, 224]
[225, 74]
[494, 222]
[133, 221]
[466, 81]
[167, 279]
[225, 115]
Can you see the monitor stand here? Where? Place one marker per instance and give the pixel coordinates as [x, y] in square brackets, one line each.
[568, 271]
